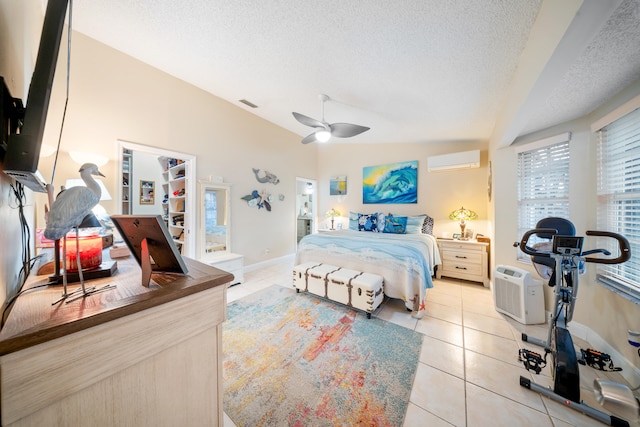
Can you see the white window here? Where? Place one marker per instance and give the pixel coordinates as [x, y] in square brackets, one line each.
[543, 183]
[618, 151]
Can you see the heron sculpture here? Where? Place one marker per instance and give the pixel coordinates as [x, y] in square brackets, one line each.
[67, 212]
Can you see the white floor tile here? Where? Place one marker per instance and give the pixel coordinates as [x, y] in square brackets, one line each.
[440, 394]
[487, 409]
[488, 324]
[440, 329]
[418, 417]
[443, 356]
[501, 378]
[492, 345]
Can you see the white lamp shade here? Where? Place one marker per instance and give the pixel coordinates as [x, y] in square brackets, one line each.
[323, 135]
[77, 182]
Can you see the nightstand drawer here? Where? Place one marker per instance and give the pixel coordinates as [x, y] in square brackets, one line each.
[462, 268]
[460, 246]
[462, 256]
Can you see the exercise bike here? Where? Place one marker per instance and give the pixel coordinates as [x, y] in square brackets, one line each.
[566, 259]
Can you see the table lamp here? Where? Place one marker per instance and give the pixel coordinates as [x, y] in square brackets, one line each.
[462, 215]
[332, 213]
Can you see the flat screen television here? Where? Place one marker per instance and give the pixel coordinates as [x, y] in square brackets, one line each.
[23, 147]
[163, 252]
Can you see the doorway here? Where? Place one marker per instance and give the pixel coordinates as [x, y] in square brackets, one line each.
[171, 178]
[306, 207]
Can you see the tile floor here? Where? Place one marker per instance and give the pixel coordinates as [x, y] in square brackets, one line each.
[469, 371]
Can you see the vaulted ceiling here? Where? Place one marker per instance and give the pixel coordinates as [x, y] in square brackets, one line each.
[411, 70]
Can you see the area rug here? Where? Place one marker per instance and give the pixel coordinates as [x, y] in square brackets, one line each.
[298, 360]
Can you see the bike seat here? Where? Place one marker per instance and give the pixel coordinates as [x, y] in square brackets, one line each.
[545, 266]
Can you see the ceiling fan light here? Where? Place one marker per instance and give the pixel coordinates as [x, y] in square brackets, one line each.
[323, 135]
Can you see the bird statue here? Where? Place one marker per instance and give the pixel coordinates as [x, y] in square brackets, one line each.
[68, 211]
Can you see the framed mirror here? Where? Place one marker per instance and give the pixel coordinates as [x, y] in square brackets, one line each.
[214, 234]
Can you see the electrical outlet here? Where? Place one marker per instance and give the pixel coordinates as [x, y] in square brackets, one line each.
[266, 251]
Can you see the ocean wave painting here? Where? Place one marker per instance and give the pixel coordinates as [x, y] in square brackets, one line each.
[390, 184]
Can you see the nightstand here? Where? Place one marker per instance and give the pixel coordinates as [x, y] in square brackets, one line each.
[464, 259]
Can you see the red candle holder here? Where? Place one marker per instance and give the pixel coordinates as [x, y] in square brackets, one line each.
[90, 252]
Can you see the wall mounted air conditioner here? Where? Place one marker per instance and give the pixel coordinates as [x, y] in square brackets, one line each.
[518, 295]
[454, 161]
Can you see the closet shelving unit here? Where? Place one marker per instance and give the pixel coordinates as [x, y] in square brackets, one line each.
[175, 203]
[127, 165]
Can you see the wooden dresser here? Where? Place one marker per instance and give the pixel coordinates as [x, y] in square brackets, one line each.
[464, 259]
[129, 356]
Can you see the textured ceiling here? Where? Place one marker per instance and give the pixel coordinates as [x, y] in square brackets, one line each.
[412, 70]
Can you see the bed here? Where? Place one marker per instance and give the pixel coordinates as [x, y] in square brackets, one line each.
[405, 261]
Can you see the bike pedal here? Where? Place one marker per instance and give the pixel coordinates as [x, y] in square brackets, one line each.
[532, 361]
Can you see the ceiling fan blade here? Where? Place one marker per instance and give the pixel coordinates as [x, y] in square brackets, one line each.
[308, 121]
[309, 138]
[346, 130]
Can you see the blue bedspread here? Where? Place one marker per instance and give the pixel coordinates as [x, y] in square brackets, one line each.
[405, 261]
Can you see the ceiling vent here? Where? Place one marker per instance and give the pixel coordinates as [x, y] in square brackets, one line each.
[454, 161]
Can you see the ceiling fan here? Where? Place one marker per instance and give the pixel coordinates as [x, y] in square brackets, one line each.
[325, 130]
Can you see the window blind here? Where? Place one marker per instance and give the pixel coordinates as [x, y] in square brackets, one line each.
[543, 186]
[618, 182]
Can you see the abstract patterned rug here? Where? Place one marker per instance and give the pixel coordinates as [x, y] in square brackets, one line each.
[297, 360]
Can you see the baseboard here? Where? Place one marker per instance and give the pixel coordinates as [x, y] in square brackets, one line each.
[629, 371]
[268, 263]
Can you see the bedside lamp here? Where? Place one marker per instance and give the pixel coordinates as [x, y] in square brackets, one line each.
[332, 213]
[462, 215]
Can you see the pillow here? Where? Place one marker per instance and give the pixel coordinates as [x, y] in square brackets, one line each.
[395, 224]
[414, 224]
[380, 222]
[371, 222]
[427, 225]
[353, 221]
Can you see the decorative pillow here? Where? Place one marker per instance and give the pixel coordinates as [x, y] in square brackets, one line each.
[380, 222]
[395, 224]
[369, 222]
[427, 225]
[414, 224]
[353, 221]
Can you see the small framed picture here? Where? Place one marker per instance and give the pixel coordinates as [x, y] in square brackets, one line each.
[456, 235]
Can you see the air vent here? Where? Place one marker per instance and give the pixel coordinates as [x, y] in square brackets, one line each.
[248, 103]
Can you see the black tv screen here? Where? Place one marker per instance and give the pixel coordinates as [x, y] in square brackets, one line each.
[23, 148]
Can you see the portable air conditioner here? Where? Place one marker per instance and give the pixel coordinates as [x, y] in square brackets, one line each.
[518, 295]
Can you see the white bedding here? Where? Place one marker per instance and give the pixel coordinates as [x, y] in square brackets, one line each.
[405, 261]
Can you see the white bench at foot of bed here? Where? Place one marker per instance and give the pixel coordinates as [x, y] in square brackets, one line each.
[363, 291]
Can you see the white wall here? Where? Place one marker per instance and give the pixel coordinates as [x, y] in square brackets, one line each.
[146, 168]
[439, 193]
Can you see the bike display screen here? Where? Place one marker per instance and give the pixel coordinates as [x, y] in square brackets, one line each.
[567, 245]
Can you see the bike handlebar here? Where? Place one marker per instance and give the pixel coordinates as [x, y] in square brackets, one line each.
[623, 244]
